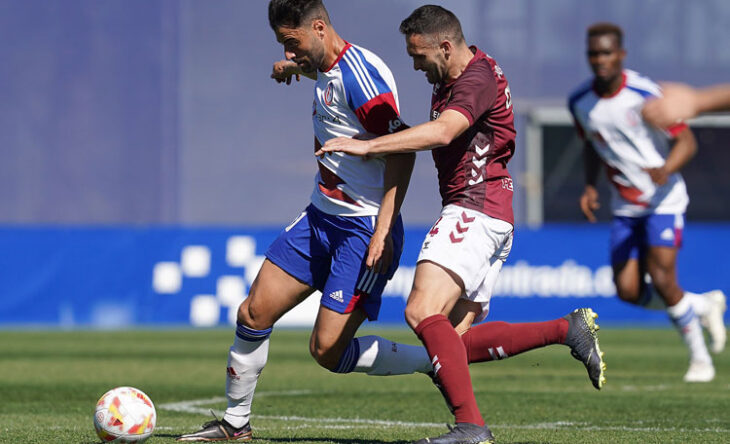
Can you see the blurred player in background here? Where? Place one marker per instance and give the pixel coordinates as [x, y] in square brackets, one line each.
[680, 102]
[347, 242]
[649, 194]
[471, 135]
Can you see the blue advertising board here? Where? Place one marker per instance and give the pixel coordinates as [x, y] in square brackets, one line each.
[76, 277]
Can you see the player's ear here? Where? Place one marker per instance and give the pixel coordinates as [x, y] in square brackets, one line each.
[319, 27]
[446, 48]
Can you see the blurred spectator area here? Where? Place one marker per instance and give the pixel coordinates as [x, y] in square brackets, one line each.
[163, 112]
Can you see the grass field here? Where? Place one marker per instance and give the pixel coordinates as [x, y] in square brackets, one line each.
[50, 381]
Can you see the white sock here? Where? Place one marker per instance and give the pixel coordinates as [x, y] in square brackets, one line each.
[700, 303]
[688, 324]
[381, 357]
[246, 358]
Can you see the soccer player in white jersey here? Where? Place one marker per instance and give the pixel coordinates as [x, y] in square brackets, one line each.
[649, 194]
[347, 242]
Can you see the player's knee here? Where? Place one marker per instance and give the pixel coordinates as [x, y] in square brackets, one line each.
[252, 317]
[414, 314]
[662, 279]
[325, 356]
[628, 292]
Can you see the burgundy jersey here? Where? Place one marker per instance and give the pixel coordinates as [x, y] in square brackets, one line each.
[472, 169]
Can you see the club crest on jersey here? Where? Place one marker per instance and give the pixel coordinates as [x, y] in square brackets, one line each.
[328, 94]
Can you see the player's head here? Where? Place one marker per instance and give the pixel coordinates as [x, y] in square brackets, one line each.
[301, 26]
[605, 51]
[432, 34]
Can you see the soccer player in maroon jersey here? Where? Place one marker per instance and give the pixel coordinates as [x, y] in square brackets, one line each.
[471, 135]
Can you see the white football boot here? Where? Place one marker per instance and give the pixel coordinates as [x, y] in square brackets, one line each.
[713, 320]
[700, 371]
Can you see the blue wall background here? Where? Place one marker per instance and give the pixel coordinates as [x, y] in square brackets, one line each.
[121, 277]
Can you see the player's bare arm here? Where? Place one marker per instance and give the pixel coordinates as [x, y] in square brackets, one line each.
[589, 199]
[284, 70]
[684, 148]
[426, 136]
[398, 168]
[681, 102]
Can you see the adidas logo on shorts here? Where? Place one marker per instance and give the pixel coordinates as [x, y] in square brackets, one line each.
[337, 296]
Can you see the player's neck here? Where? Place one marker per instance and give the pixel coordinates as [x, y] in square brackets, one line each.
[334, 44]
[461, 60]
[610, 88]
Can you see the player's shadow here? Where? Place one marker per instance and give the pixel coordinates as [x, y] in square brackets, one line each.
[338, 441]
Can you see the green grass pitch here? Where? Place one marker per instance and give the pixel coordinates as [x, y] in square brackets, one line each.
[50, 381]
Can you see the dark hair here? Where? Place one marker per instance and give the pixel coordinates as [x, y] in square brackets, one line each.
[292, 13]
[605, 28]
[432, 19]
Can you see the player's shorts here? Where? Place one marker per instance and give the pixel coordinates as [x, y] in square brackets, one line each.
[328, 253]
[631, 236]
[472, 245]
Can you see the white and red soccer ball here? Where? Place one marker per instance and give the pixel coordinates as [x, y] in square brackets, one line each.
[124, 414]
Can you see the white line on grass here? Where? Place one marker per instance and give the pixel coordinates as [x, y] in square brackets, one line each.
[192, 406]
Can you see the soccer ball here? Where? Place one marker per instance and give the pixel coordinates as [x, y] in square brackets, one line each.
[124, 414]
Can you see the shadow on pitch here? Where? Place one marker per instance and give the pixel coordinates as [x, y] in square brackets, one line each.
[339, 441]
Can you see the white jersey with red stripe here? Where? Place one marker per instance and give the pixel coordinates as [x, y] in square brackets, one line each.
[355, 96]
[628, 146]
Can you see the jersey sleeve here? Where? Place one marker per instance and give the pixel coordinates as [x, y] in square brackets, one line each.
[370, 96]
[474, 93]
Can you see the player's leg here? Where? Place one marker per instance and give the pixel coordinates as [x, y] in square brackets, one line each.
[351, 294]
[334, 346]
[499, 340]
[287, 276]
[662, 266]
[273, 293]
[627, 239]
[435, 292]
[453, 262]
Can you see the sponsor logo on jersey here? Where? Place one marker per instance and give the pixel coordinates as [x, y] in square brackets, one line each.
[507, 184]
[394, 125]
[435, 114]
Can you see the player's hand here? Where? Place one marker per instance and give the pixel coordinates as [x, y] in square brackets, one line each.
[283, 71]
[589, 203]
[678, 102]
[380, 253]
[658, 175]
[345, 145]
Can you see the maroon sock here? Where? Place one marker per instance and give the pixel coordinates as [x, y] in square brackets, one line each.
[449, 360]
[499, 340]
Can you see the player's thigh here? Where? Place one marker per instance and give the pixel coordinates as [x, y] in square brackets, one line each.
[628, 255]
[332, 334]
[628, 276]
[664, 237]
[273, 293]
[435, 291]
[661, 264]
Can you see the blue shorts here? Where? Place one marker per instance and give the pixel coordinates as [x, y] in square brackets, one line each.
[328, 253]
[631, 236]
